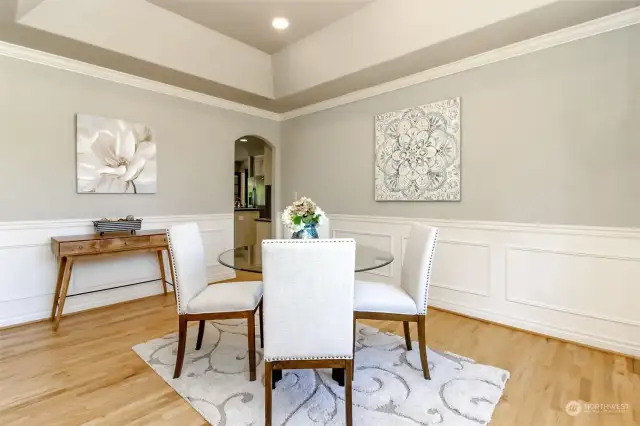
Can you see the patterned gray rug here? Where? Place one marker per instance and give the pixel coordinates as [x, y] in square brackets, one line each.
[388, 389]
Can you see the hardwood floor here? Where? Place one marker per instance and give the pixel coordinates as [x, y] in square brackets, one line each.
[87, 374]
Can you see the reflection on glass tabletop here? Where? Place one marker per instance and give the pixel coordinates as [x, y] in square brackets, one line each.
[249, 258]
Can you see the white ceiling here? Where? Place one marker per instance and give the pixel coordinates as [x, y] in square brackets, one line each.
[249, 21]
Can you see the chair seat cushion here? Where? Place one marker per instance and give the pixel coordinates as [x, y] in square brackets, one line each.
[380, 297]
[227, 297]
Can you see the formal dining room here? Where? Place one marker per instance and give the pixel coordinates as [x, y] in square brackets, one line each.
[434, 220]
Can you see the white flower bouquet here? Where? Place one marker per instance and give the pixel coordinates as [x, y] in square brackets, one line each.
[301, 213]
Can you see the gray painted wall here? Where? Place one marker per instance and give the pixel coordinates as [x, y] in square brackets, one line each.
[37, 146]
[551, 137]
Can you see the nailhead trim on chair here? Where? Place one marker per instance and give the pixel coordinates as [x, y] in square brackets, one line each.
[426, 290]
[175, 271]
[311, 241]
[309, 358]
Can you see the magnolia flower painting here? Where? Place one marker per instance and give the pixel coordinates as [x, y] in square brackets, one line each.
[115, 156]
[418, 153]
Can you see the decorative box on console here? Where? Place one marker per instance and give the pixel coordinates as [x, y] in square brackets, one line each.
[121, 225]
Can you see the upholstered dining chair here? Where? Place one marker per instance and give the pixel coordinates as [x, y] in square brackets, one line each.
[198, 301]
[308, 317]
[407, 303]
[324, 231]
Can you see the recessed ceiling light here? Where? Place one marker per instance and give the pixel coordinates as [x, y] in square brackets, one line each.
[280, 23]
[243, 140]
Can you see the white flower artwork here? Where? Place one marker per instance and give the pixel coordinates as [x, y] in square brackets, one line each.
[418, 153]
[115, 156]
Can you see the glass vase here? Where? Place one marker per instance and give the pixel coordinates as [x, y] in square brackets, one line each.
[308, 232]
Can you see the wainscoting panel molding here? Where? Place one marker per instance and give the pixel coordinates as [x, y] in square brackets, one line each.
[28, 267]
[574, 283]
[546, 277]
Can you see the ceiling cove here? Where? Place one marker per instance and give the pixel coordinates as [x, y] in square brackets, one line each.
[201, 60]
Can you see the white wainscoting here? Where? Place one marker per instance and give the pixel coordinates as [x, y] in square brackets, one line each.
[576, 283]
[28, 266]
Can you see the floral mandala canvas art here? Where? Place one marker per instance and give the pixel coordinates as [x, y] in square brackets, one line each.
[115, 156]
[418, 153]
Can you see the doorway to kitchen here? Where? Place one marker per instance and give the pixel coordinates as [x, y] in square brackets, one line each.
[252, 190]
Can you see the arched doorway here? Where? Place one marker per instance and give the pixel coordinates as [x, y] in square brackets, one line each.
[253, 190]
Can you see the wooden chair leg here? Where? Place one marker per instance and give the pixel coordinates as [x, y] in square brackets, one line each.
[261, 328]
[251, 335]
[348, 391]
[200, 334]
[407, 334]
[182, 342]
[353, 370]
[422, 341]
[276, 376]
[268, 377]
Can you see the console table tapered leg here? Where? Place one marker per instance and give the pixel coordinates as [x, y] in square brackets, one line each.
[61, 266]
[63, 291]
[162, 274]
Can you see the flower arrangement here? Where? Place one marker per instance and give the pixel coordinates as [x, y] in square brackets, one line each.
[301, 213]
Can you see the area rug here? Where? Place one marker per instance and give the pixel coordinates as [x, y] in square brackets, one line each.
[388, 389]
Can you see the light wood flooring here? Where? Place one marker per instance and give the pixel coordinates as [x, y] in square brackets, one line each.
[86, 373]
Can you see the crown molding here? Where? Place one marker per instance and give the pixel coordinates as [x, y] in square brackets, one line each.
[566, 35]
[78, 67]
[588, 29]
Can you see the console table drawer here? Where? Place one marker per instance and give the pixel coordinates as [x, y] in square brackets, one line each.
[117, 244]
[159, 240]
[133, 242]
[105, 245]
[79, 248]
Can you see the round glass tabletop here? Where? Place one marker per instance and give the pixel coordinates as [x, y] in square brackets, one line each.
[249, 258]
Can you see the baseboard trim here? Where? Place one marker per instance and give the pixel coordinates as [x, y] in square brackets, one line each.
[30, 268]
[635, 360]
[96, 308]
[611, 346]
[44, 316]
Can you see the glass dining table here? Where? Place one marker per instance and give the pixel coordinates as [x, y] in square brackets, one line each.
[249, 259]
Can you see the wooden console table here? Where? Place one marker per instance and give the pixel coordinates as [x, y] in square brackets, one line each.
[68, 249]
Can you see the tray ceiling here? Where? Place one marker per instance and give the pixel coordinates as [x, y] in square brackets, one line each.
[331, 48]
[250, 21]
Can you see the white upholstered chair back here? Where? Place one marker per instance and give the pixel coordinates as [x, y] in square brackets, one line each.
[417, 262]
[189, 268]
[324, 231]
[308, 298]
